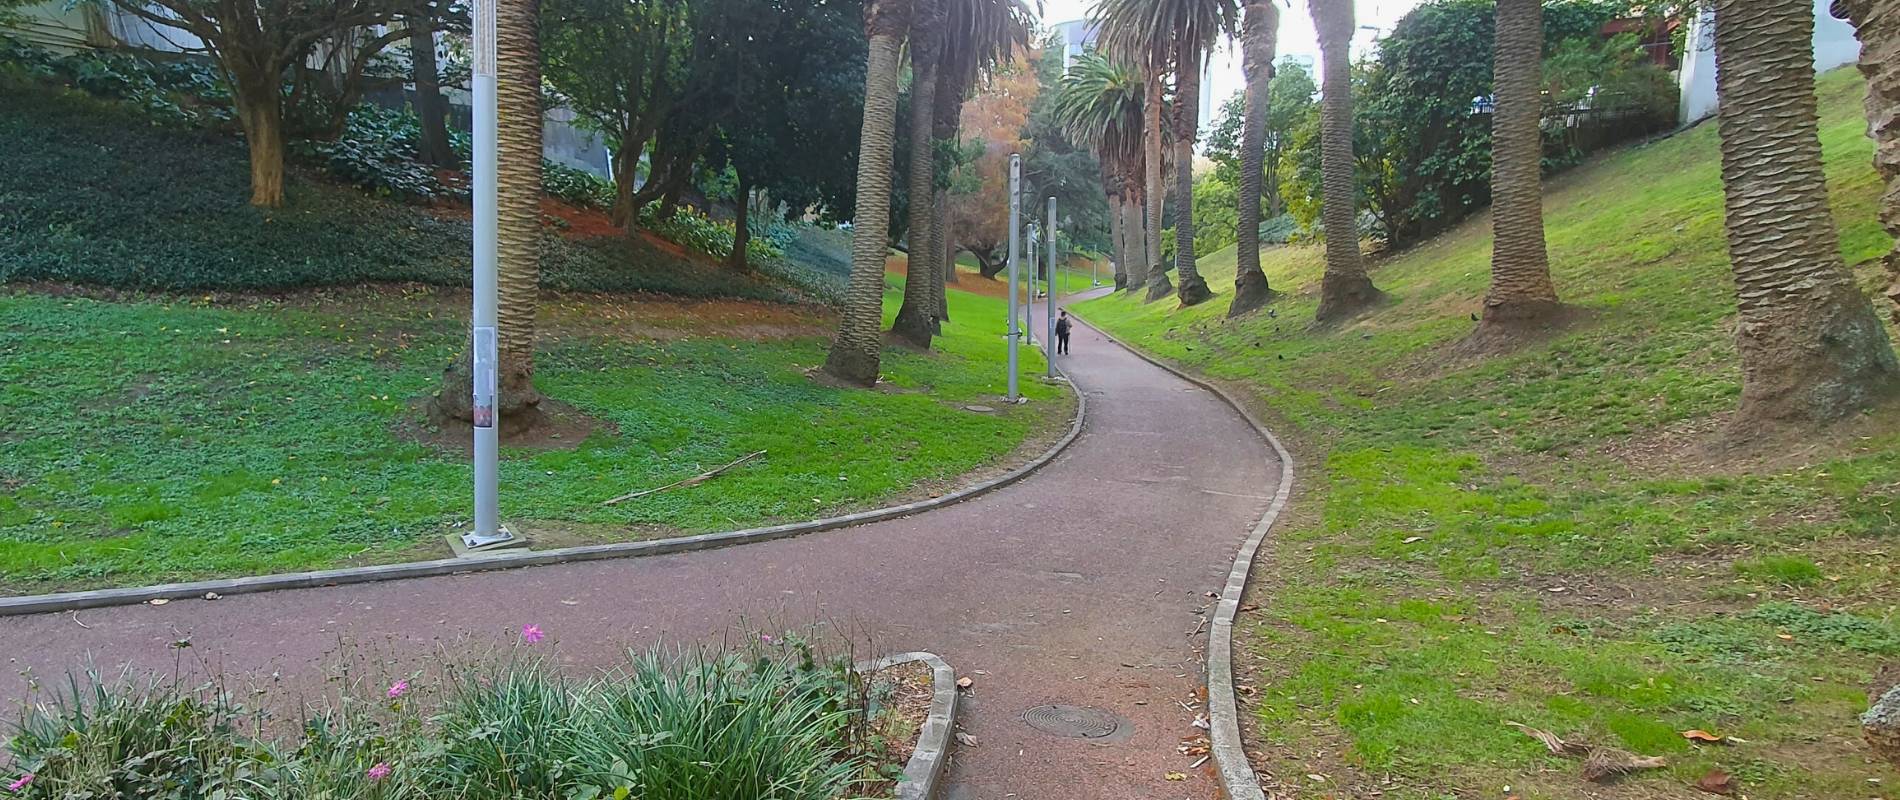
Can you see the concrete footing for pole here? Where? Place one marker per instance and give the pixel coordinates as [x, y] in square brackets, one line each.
[463, 549]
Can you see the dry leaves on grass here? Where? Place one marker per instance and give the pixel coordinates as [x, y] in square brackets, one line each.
[1599, 763]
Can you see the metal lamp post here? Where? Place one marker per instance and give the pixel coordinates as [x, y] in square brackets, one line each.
[488, 530]
[1015, 244]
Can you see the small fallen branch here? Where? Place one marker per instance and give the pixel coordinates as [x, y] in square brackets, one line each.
[1599, 763]
[693, 481]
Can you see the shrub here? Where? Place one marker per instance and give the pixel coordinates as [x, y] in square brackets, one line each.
[768, 721]
[377, 151]
[576, 187]
[695, 231]
[181, 91]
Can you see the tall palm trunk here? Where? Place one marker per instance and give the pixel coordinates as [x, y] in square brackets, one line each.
[1521, 291]
[1812, 349]
[1877, 25]
[1344, 289]
[1116, 242]
[1134, 242]
[518, 205]
[946, 125]
[855, 351]
[1258, 34]
[1187, 123]
[1151, 273]
[916, 318]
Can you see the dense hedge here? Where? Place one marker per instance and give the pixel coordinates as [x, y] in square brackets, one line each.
[94, 193]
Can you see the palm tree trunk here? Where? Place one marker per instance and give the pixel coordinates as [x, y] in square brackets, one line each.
[945, 126]
[1115, 240]
[916, 318]
[1877, 25]
[1187, 119]
[1521, 292]
[1150, 272]
[1134, 245]
[518, 205]
[1344, 288]
[1257, 43]
[1811, 348]
[855, 351]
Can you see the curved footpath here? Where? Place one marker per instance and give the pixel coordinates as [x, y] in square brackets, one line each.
[1087, 583]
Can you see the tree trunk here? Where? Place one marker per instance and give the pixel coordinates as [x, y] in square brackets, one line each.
[854, 353]
[916, 317]
[1877, 25]
[1187, 118]
[1134, 244]
[1521, 292]
[1115, 240]
[1257, 43]
[432, 146]
[1150, 268]
[261, 112]
[626, 171]
[741, 224]
[987, 264]
[518, 209]
[1345, 288]
[1811, 348]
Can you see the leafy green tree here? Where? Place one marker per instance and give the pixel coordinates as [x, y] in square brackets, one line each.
[1059, 167]
[1290, 102]
[622, 66]
[256, 43]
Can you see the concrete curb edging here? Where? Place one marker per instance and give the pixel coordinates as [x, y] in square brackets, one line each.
[1236, 772]
[924, 771]
[73, 601]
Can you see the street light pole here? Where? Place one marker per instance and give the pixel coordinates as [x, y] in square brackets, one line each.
[1015, 244]
[1029, 278]
[482, 350]
[1049, 255]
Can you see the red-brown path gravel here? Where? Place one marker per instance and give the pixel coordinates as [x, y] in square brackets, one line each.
[1077, 585]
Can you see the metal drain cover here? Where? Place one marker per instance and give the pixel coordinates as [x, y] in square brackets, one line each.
[1075, 722]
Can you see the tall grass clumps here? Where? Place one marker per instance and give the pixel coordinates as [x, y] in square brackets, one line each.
[768, 720]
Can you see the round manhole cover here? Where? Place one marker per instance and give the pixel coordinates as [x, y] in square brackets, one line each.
[1076, 722]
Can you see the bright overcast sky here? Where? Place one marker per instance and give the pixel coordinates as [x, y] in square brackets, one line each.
[1296, 35]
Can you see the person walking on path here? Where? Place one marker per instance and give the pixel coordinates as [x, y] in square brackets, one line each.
[1062, 333]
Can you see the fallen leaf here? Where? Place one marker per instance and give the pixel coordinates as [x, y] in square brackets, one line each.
[1698, 735]
[966, 739]
[965, 682]
[158, 601]
[1411, 539]
[213, 596]
[1716, 782]
[1177, 776]
[1786, 637]
[1200, 721]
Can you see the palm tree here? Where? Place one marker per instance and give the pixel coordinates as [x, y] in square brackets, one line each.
[1521, 292]
[1159, 34]
[1877, 26]
[1812, 349]
[978, 35]
[518, 205]
[1259, 34]
[855, 351]
[1100, 106]
[1344, 288]
[916, 318]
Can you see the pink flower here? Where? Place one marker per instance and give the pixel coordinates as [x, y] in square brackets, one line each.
[379, 772]
[399, 688]
[532, 634]
[20, 783]
[766, 638]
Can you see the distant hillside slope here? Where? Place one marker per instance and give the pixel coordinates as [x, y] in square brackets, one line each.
[93, 192]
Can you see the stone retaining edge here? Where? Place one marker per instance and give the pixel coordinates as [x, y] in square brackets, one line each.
[73, 601]
[924, 771]
[1230, 758]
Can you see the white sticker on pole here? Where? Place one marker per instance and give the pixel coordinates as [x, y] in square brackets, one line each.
[484, 377]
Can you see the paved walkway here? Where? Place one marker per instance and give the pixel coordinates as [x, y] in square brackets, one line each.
[1077, 585]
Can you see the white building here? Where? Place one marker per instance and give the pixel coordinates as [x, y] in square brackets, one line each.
[1834, 45]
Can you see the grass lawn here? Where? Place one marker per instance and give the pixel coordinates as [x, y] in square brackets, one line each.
[1541, 537]
[169, 437]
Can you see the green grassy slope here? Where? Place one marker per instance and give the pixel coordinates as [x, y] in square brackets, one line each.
[168, 438]
[1539, 538]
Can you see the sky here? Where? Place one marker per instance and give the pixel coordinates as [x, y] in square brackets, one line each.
[1296, 36]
